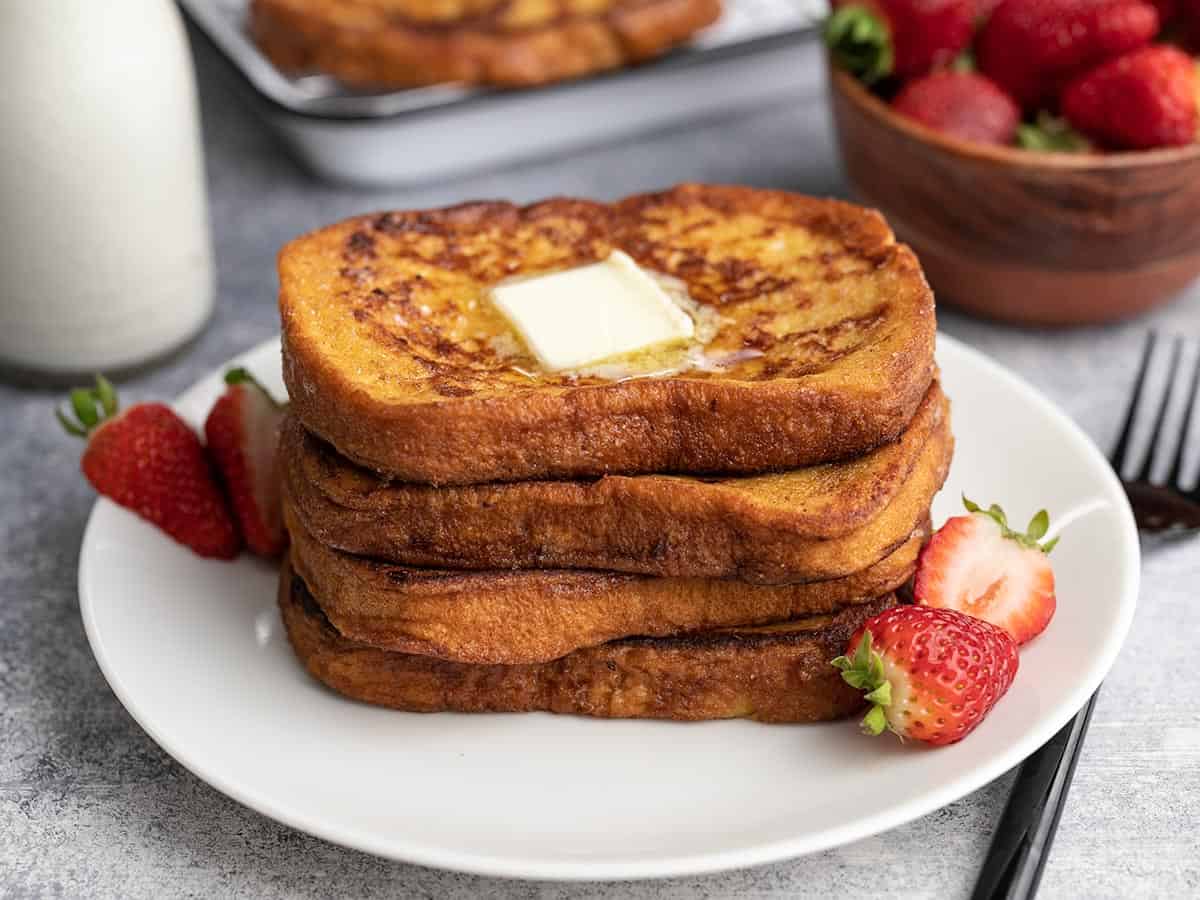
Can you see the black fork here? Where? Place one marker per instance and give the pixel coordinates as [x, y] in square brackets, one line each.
[1021, 844]
[1168, 506]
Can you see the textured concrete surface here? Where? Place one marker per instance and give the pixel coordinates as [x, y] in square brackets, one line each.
[90, 807]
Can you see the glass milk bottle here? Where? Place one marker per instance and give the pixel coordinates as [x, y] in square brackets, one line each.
[105, 259]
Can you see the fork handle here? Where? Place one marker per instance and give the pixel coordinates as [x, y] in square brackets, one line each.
[1023, 838]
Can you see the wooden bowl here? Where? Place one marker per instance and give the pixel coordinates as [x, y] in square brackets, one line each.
[1037, 238]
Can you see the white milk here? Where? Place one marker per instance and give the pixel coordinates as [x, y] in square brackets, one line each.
[105, 259]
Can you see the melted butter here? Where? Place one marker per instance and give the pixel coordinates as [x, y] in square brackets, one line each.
[651, 362]
[479, 322]
[663, 359]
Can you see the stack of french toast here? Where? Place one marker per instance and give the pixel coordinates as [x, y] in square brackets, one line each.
[691, 530]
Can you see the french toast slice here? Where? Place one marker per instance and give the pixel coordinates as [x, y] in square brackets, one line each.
[746, 526]
[539, 615]
[514, 43]
[818, 338]
[776, 673]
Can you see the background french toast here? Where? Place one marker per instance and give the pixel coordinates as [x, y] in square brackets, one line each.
[406, 43]
[775, 673]
[820, 346]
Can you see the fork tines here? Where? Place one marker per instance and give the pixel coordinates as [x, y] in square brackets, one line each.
[1161, 401]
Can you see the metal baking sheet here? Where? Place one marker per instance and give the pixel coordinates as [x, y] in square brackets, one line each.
[743, 26]
[760, 50]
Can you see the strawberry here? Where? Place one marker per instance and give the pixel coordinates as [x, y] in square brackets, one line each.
[877, 38]
[930, 674]
[150, 461]
[1032, 47]
[1139, 101]
[242, 431]
[961, 104]
[976, 564]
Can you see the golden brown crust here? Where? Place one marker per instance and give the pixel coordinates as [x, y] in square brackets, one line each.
[388, 352]
[407, 43]
[771, 675]
[534, 616]
[775, 559]
[648, 524]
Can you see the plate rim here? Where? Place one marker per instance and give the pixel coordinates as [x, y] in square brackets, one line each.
[535, 869]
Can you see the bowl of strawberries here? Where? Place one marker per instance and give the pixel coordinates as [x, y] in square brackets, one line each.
[1041, 156]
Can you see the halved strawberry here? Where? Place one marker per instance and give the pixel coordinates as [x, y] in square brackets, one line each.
[930, 674]
[242, 431]
[978, 565]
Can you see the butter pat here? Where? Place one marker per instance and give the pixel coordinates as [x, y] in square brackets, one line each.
[591, 313]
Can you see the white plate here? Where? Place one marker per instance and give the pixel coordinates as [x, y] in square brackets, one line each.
[195, 651]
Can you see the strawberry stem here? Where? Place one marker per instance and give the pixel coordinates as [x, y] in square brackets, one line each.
[241, 375]
[865, 673]
[91, 406]
[859, 42]
[1034, 532]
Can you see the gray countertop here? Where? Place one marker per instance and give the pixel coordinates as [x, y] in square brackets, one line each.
[91, 807]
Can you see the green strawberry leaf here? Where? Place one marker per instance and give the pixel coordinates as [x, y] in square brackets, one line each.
[865, 673]
[90, 406]
[1050, 134]
[862, 656]
[1039, 525]
[877, 676]
[998, 514]
[860, 43]
[83, 401]
[68, 425]
[107, 395]
[882, 695]
[874, 722]
[860, 681]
